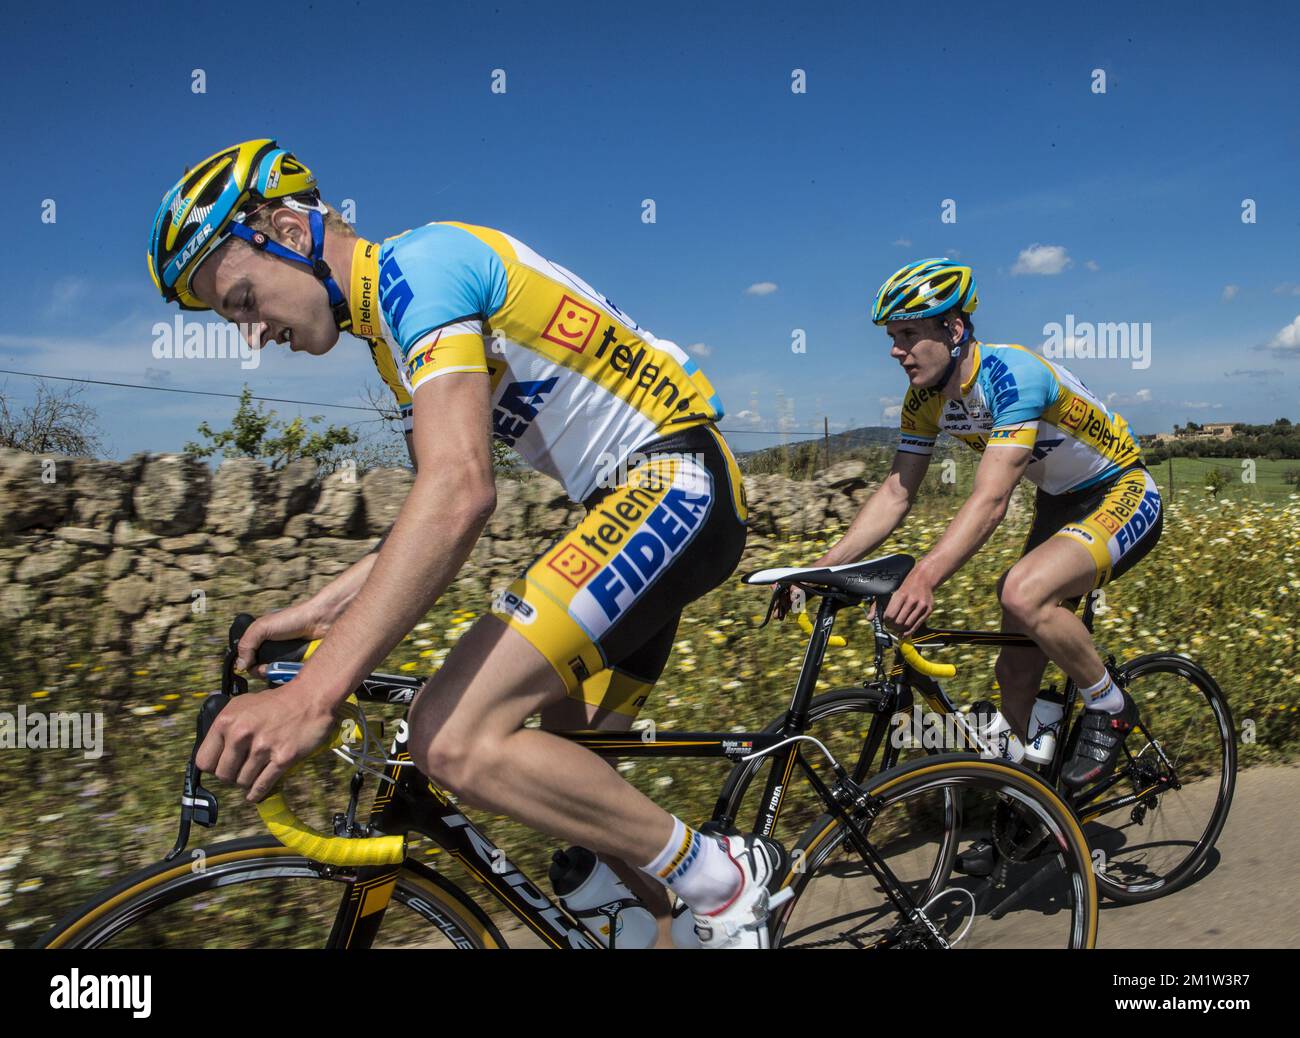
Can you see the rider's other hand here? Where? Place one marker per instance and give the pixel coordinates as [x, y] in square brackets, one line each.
[298, 621]
[261, 735]
[789, 599]
[911, 605]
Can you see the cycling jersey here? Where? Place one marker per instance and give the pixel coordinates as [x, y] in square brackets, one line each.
[577, 385]
[1014, 397]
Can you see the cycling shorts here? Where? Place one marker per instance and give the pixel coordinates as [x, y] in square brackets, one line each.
[1118, 522]
[602, 604]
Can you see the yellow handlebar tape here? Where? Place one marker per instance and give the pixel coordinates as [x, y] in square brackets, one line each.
[298, 836]
[919, 663]
[806, 624]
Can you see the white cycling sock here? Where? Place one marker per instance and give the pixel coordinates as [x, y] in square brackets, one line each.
[1104, 695]
[696, 868]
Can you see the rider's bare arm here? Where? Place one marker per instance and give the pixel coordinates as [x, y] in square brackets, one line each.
[449, 504]
[313, 616]
[882, 512]
[996, 477]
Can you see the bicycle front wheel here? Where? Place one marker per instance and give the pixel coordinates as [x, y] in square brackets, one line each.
[1041, 894]
[256, 893]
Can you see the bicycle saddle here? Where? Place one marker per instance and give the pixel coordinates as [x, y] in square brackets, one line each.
[874, 577]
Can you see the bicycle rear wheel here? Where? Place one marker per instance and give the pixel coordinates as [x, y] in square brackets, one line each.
[1154, 821]
[1042, 895]
[256, 893]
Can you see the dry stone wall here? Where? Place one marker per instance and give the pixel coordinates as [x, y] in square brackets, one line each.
[117, 554]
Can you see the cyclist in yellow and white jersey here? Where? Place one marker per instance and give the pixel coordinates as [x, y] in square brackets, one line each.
[476, 332]
[1097, 510]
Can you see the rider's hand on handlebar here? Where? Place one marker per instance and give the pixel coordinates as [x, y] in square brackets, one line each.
[298, 621]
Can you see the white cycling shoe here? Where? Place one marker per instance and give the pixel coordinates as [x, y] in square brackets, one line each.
[743, 923]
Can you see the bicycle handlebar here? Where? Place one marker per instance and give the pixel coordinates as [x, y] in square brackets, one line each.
[923, 666]
[298, 836]
[275, 812]
[835, 640]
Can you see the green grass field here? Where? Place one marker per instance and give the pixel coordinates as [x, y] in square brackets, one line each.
[1265, 483]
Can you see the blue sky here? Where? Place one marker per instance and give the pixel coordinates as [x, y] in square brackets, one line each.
[1133, 197]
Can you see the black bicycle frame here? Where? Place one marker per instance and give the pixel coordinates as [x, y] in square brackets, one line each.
[410, 803]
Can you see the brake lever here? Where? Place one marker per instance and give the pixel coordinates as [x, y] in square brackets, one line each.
[198, 804]
[771, 605]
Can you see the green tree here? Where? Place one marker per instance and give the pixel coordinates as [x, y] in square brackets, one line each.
[257, 433]
[1215, 480]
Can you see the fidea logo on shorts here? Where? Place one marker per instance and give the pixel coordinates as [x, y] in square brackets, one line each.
[1143, 518]
[664, 533]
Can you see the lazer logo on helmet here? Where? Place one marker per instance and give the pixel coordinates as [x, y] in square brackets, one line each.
[663, 535]
[192, 246]
[1148, 511]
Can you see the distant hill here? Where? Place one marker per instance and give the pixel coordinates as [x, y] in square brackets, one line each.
[850, 439]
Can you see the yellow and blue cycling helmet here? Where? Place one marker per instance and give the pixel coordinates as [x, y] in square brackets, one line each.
[209, 205]
[925, 288]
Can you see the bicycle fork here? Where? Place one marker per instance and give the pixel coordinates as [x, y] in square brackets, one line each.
[847, 796]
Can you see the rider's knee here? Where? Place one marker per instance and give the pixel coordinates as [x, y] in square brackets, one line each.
[436, 750]
[1020, 601]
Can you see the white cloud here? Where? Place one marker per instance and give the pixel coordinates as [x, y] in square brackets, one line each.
[905, 242]
[1198, 405]
[1287, 341]
[1229, 293]
[1142, 396]
[747, 417]
[1042, 259]
[700, 349]
[1093, 265]
[1287, 289]
[891, 412]
[761, 288]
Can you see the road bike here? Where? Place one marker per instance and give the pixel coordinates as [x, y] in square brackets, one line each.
[875, 869]
[1152, 823]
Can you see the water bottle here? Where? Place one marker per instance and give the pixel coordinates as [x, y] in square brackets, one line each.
[996, 731]
[1049, 708]
[592, 891]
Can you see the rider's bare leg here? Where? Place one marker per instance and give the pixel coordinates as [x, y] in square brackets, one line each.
[570, 714]
[467, 732]
[1031, 594]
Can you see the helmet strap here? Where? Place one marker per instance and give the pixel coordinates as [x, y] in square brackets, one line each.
[315, 262]
[954, 354]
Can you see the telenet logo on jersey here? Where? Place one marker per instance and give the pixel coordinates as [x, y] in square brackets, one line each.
[664, 534]
[573, 326]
